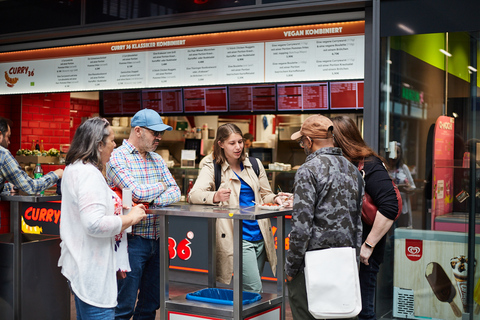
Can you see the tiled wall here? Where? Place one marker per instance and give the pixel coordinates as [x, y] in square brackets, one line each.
[52, 118]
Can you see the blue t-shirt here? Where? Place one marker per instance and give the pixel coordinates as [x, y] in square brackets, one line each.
[251, 229]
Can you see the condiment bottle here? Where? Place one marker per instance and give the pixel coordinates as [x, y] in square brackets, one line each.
[38, 173]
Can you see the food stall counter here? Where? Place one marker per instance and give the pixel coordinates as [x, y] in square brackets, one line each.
[271, 306]
[32, 284]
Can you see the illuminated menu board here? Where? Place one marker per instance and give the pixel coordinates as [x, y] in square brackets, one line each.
[346, 95]
[121, 102]
[163, 101]
[112, 102]
[248, 98]
[302, 96]
[205, 100]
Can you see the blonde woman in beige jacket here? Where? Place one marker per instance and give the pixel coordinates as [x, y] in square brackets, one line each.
[239, 186]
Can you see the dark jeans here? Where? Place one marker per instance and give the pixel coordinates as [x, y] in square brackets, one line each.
[297, 296]
[144, 278]
[368, 281]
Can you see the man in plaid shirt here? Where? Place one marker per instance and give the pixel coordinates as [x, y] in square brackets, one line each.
[136, 166]
[11, 171]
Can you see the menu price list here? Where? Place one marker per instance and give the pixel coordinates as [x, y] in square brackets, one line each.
[248, 98]
[163, 101]
[346, 95]
[204, 100]
[302, 96]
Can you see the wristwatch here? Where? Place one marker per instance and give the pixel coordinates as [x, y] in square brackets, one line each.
[369, 245]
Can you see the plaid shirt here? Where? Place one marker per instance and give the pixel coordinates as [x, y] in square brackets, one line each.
[127, 169]
[12, 172]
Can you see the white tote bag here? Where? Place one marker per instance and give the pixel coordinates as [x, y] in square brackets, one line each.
[332, 282]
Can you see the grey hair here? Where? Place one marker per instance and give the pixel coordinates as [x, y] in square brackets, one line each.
[86, 141]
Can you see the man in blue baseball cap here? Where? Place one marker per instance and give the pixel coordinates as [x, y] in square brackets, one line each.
[136, 166]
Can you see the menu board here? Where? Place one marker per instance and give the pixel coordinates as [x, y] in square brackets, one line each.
[302, 96]
[205, 99]
[164, 100]
[121, 102]
[317, 52]
[111, 103]
[249, 98]
[346, 95]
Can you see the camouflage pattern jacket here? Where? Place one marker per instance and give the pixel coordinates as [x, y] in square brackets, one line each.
[326, 207]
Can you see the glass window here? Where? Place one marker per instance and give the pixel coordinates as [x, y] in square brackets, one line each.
[429, 103]
[26, 15]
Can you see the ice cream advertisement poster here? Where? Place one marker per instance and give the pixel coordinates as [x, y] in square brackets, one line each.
[430, 275]
[443, 158]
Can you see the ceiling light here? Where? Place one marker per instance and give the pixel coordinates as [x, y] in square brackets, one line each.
[472, 69]
[454, 114]
[448, 54]
[405, 28]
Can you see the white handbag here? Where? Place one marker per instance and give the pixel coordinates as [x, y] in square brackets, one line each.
[332, 282]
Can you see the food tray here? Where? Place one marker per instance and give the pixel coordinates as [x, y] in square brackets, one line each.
[221, 296]
[271, 208]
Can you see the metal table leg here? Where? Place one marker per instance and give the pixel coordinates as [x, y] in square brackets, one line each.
[17, 259]
[212, 253]
[164, 262]
[237, 269]
[280, 261]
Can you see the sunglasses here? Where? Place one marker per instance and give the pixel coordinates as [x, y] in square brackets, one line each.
[156, 134]
[300, 142]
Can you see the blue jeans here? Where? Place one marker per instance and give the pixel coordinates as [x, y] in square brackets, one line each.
[368, 282]
[89, 312]
[144, 278]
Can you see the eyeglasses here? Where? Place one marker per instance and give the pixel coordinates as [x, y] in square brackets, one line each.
[156, 134]
[300, 142]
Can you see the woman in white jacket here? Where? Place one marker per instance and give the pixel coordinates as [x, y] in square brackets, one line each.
[239, 186]
[89, 229]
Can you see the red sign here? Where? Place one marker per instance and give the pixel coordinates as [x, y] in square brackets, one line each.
[413, 249]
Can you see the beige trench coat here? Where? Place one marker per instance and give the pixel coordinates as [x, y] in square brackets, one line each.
[203, 192]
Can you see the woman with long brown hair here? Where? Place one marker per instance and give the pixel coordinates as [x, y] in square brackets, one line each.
[240, 186]
[379, 186]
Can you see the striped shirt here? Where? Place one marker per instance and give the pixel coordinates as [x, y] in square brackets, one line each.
[127, 169]
[11, 171]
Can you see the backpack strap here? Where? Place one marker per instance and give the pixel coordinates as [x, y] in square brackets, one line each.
[217, 170]
[255, 167]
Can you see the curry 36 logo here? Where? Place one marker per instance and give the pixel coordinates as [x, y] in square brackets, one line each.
[10, 81]
[11, 78]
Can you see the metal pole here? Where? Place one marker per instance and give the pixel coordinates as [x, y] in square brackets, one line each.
[237, 269]
[280, 261]
[212, 253]
[17, 259]
[164, 262]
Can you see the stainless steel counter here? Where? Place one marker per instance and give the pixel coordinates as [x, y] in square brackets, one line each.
[237, 311]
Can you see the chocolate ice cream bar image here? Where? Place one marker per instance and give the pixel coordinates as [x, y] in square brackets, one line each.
[441, 286]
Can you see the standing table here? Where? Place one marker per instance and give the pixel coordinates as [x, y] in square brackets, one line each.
[271, 306]
[38, 290]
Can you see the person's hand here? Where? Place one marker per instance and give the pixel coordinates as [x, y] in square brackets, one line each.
[365, 253]
[222, 195]
[285, 199]
[137, 213]
[289, 278]
[59, 173]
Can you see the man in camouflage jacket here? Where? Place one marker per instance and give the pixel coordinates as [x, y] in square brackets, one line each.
[326, 207]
